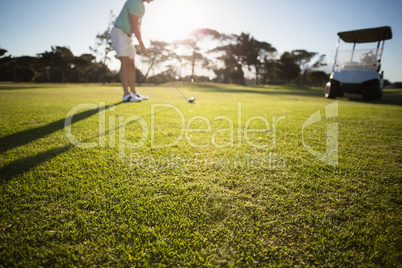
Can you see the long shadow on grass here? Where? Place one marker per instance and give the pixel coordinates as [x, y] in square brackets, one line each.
[20, 166]
[22, 138]
[17, 88]
[23, 165]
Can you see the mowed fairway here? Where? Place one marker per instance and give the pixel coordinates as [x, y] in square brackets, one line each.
[226, 181]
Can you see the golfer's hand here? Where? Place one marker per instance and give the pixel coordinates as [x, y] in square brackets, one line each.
[144, 50]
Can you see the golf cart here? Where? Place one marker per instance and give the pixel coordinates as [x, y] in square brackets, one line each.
[357, 71]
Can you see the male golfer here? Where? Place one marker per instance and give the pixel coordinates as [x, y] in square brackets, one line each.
[127, 23]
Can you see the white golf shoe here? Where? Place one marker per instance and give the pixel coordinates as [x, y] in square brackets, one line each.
[131, 98]
[141, 97]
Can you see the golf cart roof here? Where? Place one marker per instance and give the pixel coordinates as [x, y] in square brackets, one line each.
[367, 35]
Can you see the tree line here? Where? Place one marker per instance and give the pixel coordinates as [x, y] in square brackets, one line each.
[57, 65]
[206, 55]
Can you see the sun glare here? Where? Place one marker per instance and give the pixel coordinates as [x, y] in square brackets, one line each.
[173, 20]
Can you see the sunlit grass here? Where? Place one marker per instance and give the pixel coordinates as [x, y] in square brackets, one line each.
[211, 198]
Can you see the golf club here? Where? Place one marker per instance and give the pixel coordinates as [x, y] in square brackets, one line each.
[189, 100]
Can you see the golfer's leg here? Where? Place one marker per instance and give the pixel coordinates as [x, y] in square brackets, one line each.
[124, 73]
[131, 77]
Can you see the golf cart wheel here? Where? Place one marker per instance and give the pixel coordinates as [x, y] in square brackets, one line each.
[332, 90]
[340, 92]
[371, 91]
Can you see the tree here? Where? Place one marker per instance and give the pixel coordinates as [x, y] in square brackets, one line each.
[232, 71]
[191, 48]
[268, 70]
[159, 53]
[2, 52]
[303, 59]
[20, 69]
[252, 52]
[84, 67]
[317, 78]
[104, 46]
[25, 69]
[287, 68]
[229, 67]
[58, 63]
[243, 51]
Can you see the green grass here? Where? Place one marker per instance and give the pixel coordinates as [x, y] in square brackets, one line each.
[197, 206]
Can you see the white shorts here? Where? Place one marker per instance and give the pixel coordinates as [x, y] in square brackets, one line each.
[122, 43]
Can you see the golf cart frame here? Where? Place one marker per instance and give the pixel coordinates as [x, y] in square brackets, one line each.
[357, 71]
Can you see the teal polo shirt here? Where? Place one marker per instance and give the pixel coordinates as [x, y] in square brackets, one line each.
[135, 7]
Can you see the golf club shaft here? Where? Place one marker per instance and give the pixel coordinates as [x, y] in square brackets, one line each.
[157, 67]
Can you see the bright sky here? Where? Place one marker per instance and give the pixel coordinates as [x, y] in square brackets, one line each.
[28, 27]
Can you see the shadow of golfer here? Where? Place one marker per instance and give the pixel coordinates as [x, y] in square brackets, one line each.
[26, 136]
[20, 166]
